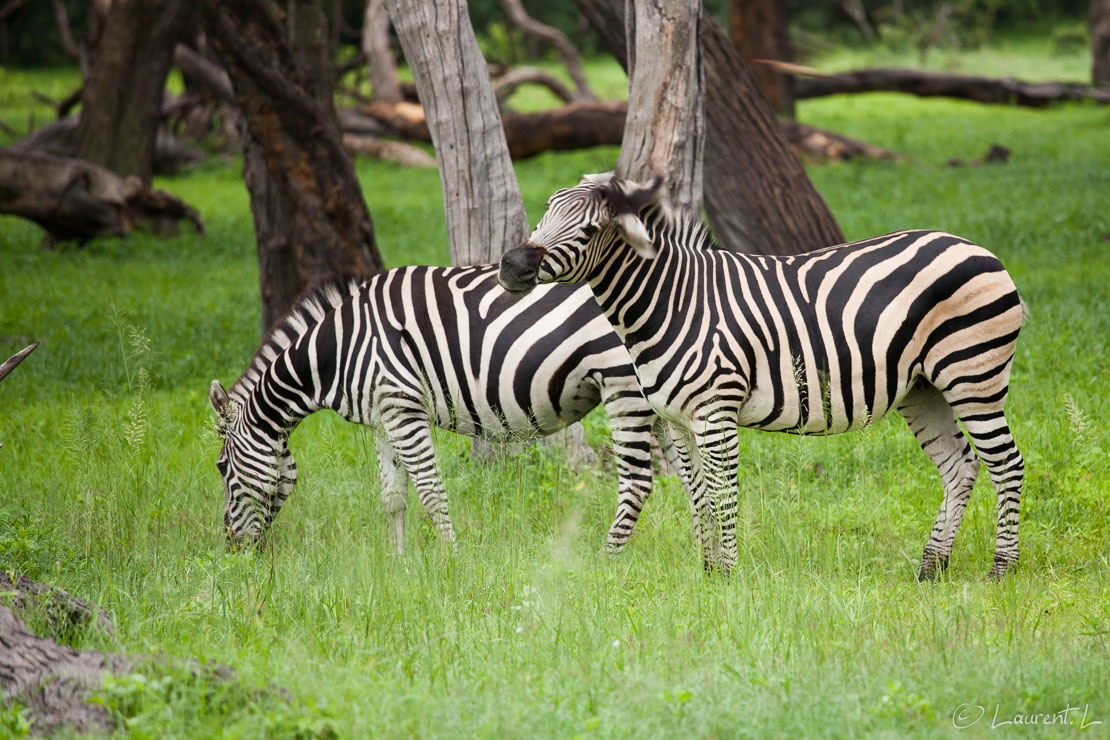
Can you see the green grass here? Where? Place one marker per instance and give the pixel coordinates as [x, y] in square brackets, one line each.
[110, 491]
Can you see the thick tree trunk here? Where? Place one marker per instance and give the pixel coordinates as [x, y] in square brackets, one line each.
[484, 209]
[757, 194]
[73, 199]
[664, 132]
[384, 83]
[309, 215]
[927, 83]
[1100, 43]
[121, 106]
[760, 29]
[52, 680]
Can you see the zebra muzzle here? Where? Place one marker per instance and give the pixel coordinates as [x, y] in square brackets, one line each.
[519, 268]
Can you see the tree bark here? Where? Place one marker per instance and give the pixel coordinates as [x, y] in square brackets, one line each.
[384, 83]
[759, 29]
[927, 83]
[73, 199]
[121, 106]
[554, 38]
[757, 194]
[484, 209]
[309, 216]
[664, 132]
[1100, 43]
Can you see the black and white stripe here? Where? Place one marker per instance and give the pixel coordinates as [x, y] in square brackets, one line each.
[821, 343]
[417, 346]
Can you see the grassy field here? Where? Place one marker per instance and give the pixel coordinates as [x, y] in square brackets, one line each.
[108, 488]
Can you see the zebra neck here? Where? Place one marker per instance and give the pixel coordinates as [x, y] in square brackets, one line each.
[286, 393]
[636, 294]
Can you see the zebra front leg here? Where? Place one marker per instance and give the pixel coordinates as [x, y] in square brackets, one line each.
[410, 434]
[393, 489]
[718, 446]
[632, 452]
[933, 423]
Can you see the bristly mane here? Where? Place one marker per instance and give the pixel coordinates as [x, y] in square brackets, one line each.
[317, 300]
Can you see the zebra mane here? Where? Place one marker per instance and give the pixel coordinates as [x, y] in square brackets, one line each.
[656, 214]
[317, 300]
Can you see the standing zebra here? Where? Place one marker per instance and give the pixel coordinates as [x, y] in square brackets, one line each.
[819, 343]
[415, 346]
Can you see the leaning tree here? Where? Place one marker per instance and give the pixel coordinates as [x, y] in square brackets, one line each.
[757, 194]
[309, 215]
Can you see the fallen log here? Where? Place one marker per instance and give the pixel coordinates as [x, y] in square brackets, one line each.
[403, 154]
[928, 83]
[594, 123]
[73, 199]
[65, 613]
[59, 139]
[818, 145]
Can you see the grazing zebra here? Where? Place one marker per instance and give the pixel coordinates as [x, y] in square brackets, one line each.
[819, 343]
[416, 346]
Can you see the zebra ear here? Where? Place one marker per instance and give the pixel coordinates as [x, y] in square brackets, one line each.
[220, 401]
[632, 230]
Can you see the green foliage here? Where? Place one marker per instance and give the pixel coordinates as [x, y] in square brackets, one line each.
[527, 629]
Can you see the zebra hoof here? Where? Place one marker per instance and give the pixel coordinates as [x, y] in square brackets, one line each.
[932, 566]
[1001, 569]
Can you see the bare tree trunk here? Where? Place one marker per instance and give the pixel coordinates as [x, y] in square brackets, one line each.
[554, 38]
[1100, 43]
[309, 215]
[384, 83]
[757, 194]
[121, 106]
[760, 29]
[664, 131]
[484, 208]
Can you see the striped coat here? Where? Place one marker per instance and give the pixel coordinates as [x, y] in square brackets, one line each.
[821, 343]
[420, 346]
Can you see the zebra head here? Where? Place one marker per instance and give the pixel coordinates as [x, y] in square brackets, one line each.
[258, 471]
[581, 227]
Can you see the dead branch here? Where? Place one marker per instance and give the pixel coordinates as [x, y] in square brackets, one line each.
[10, 364]
[555, 38]
[507, 83]
[8, 10]
[927, 83]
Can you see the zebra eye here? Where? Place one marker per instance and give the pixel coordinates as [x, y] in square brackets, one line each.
[589, 229]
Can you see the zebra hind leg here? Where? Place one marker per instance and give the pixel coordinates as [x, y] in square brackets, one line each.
[394, 486]
[995, 446]
[933, 423]
[410, 434]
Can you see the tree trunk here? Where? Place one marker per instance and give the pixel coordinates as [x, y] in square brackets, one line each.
[121, 106]
[664, 132]
[384, 83]
[484, 208]
[928, 83]
[1100, 43]
[759, 29]
[309, 215]
[757, 194]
